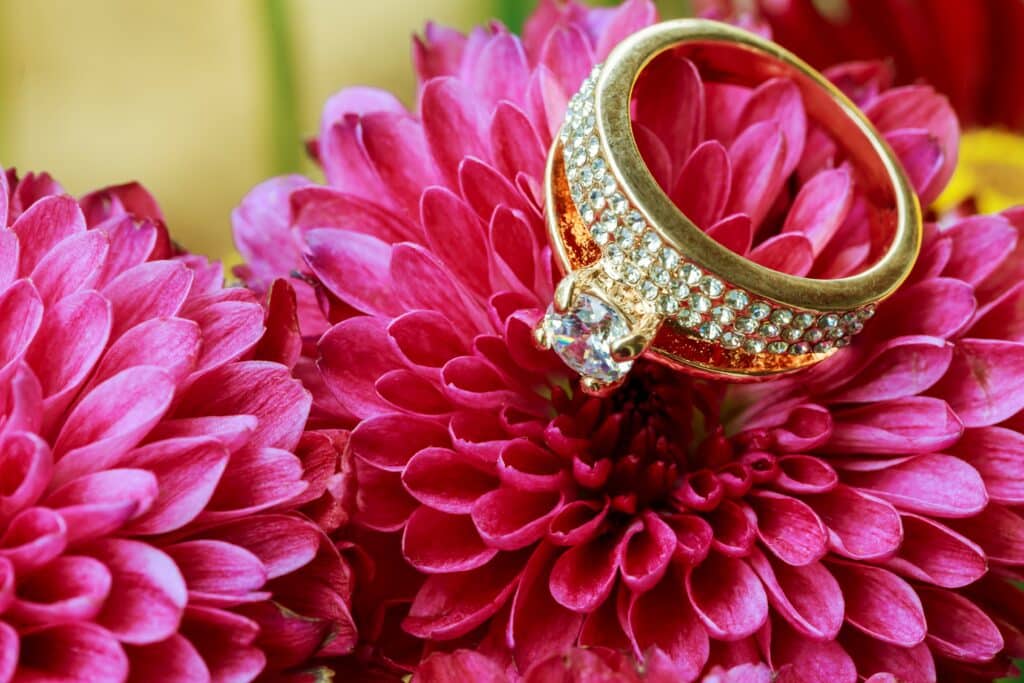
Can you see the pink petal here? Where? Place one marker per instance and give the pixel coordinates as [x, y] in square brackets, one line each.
[26, 471]
[225, 642]
[21, 309]
[583, 576]
[998, 530]
[500, 71]
[408, 391]
[997, 454]
[447, 480]
[983, 384]
[135, 244]
[458, 666]
[421, 281]
[898, 368]
[909, 425]
[150, 290]
[515, 142]
[99, 504]
[807, 597]
[778, 100]
[727, 596]
[484, 188]
[43, 225]
[669, 99]
[451, 124]
[805, 474]
[9, 250]
[426, 339]
[646, 551]
[264, 390]
[921, 156]
[820, 207]
[936, 554]
[72, 265]
[230, 329]
[9, 640]
[34, 537]
[404, 175]
[898, 663]
[462, 550]
[510, 519]
[72, 652]
[188, 471]
[148, 594]
[389, 441]
[957, 628]
[353, 355]
[980, 244]
[450, 605]
[382, 502]
[69, 589]
[880, 604]
[354, 267]
[708, 169]
[218, 568]
[282, 543]
[539, 626]
[790, 253]
[455, 233]
[110, 420]
[174, 660]
[860, 526]
[758, 156]
[623, 21]
[170, 343]
[663, 618]
[789, 528]
[325, 207]
[937, 307]
[798, 658]
[935, 485]
[256, 479]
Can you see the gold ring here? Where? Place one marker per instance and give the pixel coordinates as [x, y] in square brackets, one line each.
[642, 279]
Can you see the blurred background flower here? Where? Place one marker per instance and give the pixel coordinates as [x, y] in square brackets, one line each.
[202, 100]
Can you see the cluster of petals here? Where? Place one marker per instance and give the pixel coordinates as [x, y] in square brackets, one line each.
[152, 458]
[859, 521]
[968, 50]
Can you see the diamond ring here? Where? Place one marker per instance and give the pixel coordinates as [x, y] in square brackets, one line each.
[642, 279]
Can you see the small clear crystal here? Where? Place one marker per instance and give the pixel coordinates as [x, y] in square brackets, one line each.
[814, 335]
[778, 347]
[803, 320]
[737, 299]
[690, 274]
[669, 258]
[712, 286]
[769, 330]
[800, 348]
[731, 340]
[723, 315]
[792, 334]
[746, 325]
[710, 331]
[636, 221]
[618, 203]
[700, 303]
[667, 305]
[781, 316]
[754, 345]
[760, 310]
[651, 242]
[649, 290]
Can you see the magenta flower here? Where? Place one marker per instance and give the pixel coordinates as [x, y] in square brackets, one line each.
[148, 484]
[857, 520]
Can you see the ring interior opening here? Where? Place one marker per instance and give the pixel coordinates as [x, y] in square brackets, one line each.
[720, 63]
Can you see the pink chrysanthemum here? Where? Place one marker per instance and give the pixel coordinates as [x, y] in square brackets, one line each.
[147, 482]
[857, 520]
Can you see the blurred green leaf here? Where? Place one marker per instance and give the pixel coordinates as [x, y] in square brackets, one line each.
[285, 139]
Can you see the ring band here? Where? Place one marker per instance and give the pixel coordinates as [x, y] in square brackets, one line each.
[641, 278]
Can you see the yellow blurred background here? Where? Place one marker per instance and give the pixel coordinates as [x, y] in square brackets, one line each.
[180, 95]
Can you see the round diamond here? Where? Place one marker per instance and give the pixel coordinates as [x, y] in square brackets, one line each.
[769, 330]
[737, 299]
[854, 327]
[760, 311]
[596, 199]
[600, 235]
[710, 331]
[631, 274]
[667, 305]
[803, 320]
[731, 340]
[618, 203]
[587, 213]
[608, 221]
[800, 348]
[814, 335]
[792, 334]
[608, 186]
[691, 274]
[660, 276]
[778, 347]
[593, 146]
[723, 315]
[649, 290]
[669, 258]
[866, 313]
[583, 338]
[829, 321]
[651, 242]
[586, 176]
[782, 317]
[836, 333]
[679, 290]
[643, 260]
[635, 221]
[823, 347]
[712, 286]
[754, 345]
[598, 168]
[700, 303]
[746, 325]
[689, 319]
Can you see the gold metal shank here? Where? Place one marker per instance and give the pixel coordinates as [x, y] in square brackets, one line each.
[724, 53]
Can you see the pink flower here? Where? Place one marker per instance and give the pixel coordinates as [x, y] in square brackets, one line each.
[857, 520]
[148, 484]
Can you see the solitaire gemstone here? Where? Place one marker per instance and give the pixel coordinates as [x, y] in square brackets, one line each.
[583, 338]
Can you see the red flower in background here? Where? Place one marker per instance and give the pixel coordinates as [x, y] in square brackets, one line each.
[970, 51]
[148, 485]
[857, 520]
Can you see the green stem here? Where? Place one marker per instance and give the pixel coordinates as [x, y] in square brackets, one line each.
[285, 136]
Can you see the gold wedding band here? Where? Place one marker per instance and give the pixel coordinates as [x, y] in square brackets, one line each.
[643, 279]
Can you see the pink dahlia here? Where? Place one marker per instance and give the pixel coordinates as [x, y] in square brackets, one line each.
[148, 480]
[859, 520]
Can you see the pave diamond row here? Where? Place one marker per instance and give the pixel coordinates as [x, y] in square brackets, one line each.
[634, 254]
